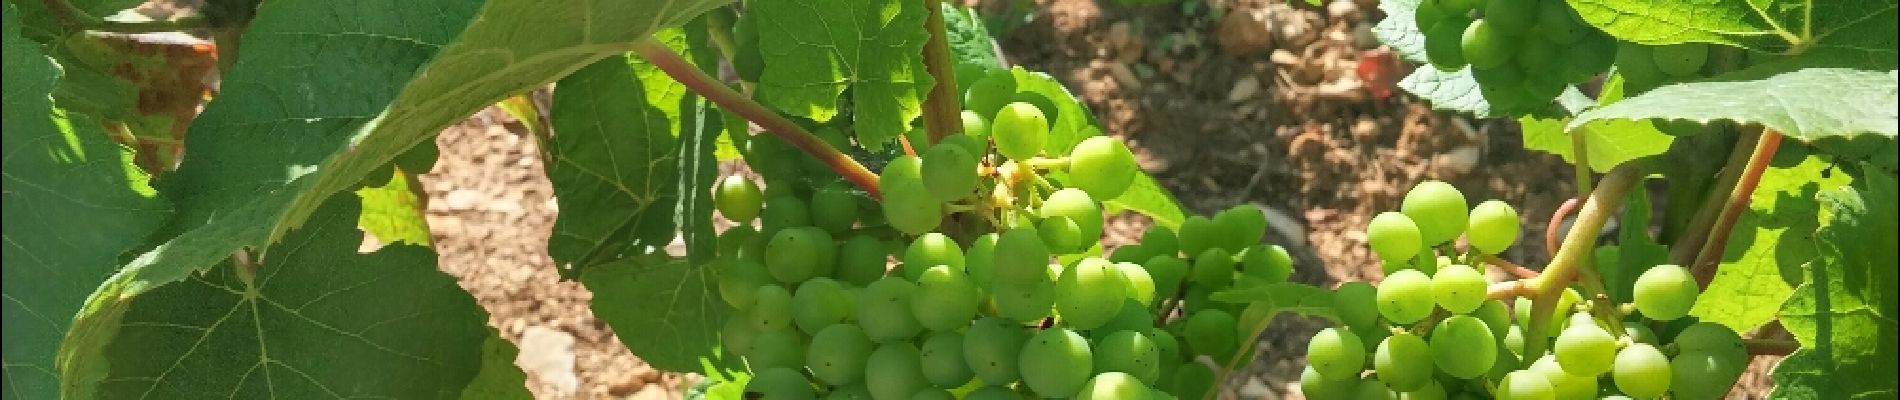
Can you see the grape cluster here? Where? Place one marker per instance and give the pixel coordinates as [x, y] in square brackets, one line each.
[999, 291]
[1523, 53]
[1431, 331]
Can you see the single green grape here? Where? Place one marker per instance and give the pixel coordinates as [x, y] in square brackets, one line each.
[1193, 380]
[910, 208]
[1493, 227]
[741, 242]
[942, 359]
[1589, 56]
[795, 254]
[1444, 44]
[1198, 234]
[993, 392]
[1495, 315]
[1019, 130]
[747, 61]
[772, 349]
[1020, 257]
[1665, 292]
[1102, 166]
[884, 310]
[1372, 389]
[945, 299]
[771, 309]
[1512, 16]
[1459, 289]
[1168, 272]
[933, 249]
[1712, 338]
[1161, 240]
[1403, 362]
[1056, 362]
[821, 302]
[1438, 208]
[1089, 293]
[1526, 385]
[1641, 371]
[1565, 385]
[976, 127]
[737, 335]
[1429, 14]
[1585, 350]
[837, 354]
[834, 207]
[1141, 285]
[1212, 332]
[992, 346]
[949, 172]
[1637, 64]
[1113, 386]
[989, 93]
[1025, 302]
[739, 280]
[1559, 23]
[780, 383]
[1132, 253]
[903, 169]
[1682, 59]
[1214, 268]
[1701, 375]
[1271, 263]
[1245, 225]
[1079, 207]
[855, 391]
[1406, 297]
[738, 198]
[1336, 354]
[1129, 352]
[894, 371]
[1316, 386]
[1537, 55]
[1357, 304]
[1485, 46]
[933, 394]
[980, 260]
[1061, 234]
[862, 259]
[1463, 347]
[1394, 236]
[781, 212]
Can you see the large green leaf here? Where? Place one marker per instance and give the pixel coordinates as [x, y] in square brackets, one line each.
[73, 205]
[1449, 91]
[1284, 296]
[612, 158]
[1609, 144]
[1399, 30]
[1845, 316]
[1769, 242]
[499, 378]
[392, 213]
[1839, 26]
[1070, 122]
[815, 49]
[325, 92]
[1806, 105]
[969, 40]
[317, 321]
[667, 310]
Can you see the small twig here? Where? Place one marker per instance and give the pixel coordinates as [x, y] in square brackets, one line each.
[1556, 224]
[1508, 267]
[1771, 347]
[1580, 154]
[1711, 254]
[1511, 289]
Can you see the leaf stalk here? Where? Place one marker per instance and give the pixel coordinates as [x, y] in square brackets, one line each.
[1711, 252]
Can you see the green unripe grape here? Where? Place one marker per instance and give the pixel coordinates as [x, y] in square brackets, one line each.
[978, 128]
[1129, 352]
[976, 147]
[1198, 234]
[1212, 332]
[796, 254]
[1056, 362]
[1493, 227]
[1245, 225]
[1565, 385]
[1639, 332]
[1025, 302]
[1429, 14]
[1537, 56]
[855, 391]
[821, 302]
[992, 347]
[1641, 371]
[1585, 350]
[910, 208]
[1372, 389]
[933, 394]
[1141, 286]
[1406, 297]
[773, 349]
[1168, 273]
[1161, 240]
[781, 212]
[739, 281]
[837, 354]
[1061, 234]
[1019, 130]
[1020, 257]
[949, 172]
[1514, 339]
[1459, 289]
[1394, 236]
[945, 299]
[1460, 8]
[942, 359]
[1444, 44]
[1495, 315]
[771, 309]
[741, 242]
[894, 371]
[1336, 354]
[884, 310]
[1637, 64]
[993, 392]
[1512, 16]
[1315, 386]
[1090, 293]
[1131, 253]
[1214, 268]
[1591, 55]
[1504, 87]
[1698, 375]
[1665, 292]
[988, 94]
[1683, 59]
[933, 249]
[1559, 23]
[1269, 262]
[903, 169]
[1403, 362]
[737, 335]
[1714, 339]
[738, 198]
[1543, 88]
[862, 259]
[1526, 385]
[1102, 166]
[1078, 206]
[1193, 380]
[1357, 304]
[747, 61]
[1463, 347]
[1485, 46]
[834, 207]
[980, 260]
[1113, 386]
[780, 383]
[1438, 208]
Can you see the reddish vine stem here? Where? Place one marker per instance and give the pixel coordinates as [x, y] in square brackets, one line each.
[1557, 223]
[1508, 267]
[943, 115]
[705, 85]
[1711, 253]
[1684, 249]
[1770, 347]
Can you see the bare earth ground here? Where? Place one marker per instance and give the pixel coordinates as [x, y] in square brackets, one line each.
[1257, 103]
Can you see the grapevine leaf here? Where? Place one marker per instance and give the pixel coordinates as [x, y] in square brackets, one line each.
[73, 205]
[499, 377]
[40, 23]
[699, 169]
[392, 213]
[1845, 315]
[1283, 296]
[326, 92]
[319, 321]
[1769, 242]
[1449, 91]
[815, 49]
[1610, 144]
[1399, 30]
[969, 40]
[1070, 122]
[1805, 105]
[1851, 28]
[671, 306]
[612, 159]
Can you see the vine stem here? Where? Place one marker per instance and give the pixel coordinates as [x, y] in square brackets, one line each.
[1580, 152]
[1770, 347]
[705, 85]
[1556, 223]
[1573, 257]
[1711, 253]
[1693, 235]
[943, 115]
[1509, 267]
